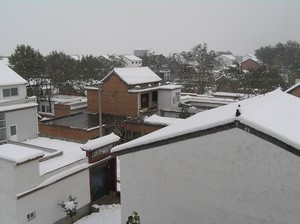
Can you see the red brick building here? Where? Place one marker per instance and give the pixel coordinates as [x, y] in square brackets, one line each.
[126, 92]
[250, 64]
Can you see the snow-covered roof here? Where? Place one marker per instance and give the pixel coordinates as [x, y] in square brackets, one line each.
[131, 57]
[293, 87]
[229, 56]
[18, 154]
[100, 142]
[250, 56]
[276, 114]
[71, 153]
[4, 61]
[135, 75]
[9, 76]
[157, 120]
[228, 94]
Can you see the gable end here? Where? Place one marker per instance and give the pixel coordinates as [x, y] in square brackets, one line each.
[235, 124]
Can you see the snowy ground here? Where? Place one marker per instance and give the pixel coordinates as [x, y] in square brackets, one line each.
[108, 214]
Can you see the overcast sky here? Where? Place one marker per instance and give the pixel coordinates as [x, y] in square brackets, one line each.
[164, 26]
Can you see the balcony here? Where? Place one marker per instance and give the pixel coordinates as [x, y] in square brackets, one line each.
[17, 104]
[149, 110]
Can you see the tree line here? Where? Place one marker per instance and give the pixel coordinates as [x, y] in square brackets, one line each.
[280, 67]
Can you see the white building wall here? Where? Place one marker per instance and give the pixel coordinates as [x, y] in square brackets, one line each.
[8, 212]
[26, 122]
[168, 99]
[44, 202]
[227, 177]
[164, 99]
[26, 175]
[132, 63]
[22, 92]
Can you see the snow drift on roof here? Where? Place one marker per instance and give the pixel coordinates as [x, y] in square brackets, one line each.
[18, 154]
[131, 57]
[100, 142]
[157, 120]
[276, 114]
[9, 76]
[136, 75]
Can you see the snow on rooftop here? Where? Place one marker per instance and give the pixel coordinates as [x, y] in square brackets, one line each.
[18, 154]
[100, 142]
[228, 94]
[170, 87]
[276, 114]
[157, 120]
[108, 214]
[229, 56]
[292, 87]
[71, 153]
[136, 75]
[9, 76]
[131, 57]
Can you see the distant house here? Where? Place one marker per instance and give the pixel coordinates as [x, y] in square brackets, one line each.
[237, 163]
[226, 60]
[62, 105]
[132, 60]
[250, 62]
[18, 113]
[126, 92]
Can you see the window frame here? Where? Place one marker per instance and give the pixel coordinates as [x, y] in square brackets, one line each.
[9, 92]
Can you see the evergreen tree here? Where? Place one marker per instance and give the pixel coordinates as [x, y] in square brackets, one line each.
[29, 64]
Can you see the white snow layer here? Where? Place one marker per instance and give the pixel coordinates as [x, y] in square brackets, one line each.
[9, 76]
[157, 120]
[136, 75]
[18, 154]
[276, 114]
[71, 153]
[100, 142]
[108, 214]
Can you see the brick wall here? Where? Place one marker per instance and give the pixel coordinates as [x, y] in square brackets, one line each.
[66, 133]
[92, 100]
[115, 98]
[134, 130]
[62, 110]
[250, 65]
[295, 92]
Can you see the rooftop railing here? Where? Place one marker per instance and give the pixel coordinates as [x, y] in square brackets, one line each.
[8, 103]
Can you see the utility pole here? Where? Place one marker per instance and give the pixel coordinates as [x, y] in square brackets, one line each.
[100, 109]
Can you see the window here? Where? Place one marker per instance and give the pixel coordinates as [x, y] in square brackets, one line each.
[48, 109]
[31, 216]
[154, 96]
[136, 134]
[177, 97]
[10, 92]
[43, 108]
[13, 130]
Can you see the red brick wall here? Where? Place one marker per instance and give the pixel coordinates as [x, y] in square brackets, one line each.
[142, 129]
[62, 110]
[116, 99]
[295, 92]
[92, 100]
[78, 135]
[250, 65]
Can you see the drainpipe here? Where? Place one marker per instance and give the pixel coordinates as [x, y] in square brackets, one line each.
[100, 109]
